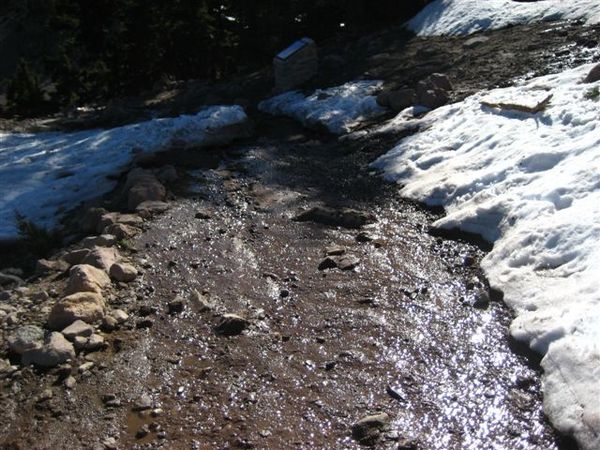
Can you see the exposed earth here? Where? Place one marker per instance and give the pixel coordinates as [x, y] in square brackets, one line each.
[248, 328]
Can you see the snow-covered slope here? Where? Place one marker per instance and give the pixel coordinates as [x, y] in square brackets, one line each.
[462, 17]
[530, 183]
[44, 174]
[339, 108]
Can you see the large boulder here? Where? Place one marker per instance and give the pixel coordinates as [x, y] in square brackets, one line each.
[102, 257]
[86, 306]
[86, 278]
[25, 338]
[55, 350]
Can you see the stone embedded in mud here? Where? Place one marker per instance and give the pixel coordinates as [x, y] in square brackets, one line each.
[328, 263]
[200, 302]
[102, 257]
[593, 75]
[203, 215]
[55, 350]
[176, 306]
[335, 250]
[123, 272]
[86, 278]
[103, 240]
[368, 429]
[347, 218]
[231, 325]
[150, 208]
[76, 256]
[27, 337]
[347, 262]
[86, 306]
[46, 266]
[77, 328]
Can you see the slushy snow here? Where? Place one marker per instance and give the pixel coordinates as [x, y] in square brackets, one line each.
[463, 17]
[339, 109]
[44, 174]
[529, 183]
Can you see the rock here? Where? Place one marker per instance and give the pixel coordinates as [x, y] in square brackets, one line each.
[54, 351]
[142, 432]
[335, 250]
[440, 81]
[109, 323]
[143, 403]
[481, 300]
[433, 98]
[147, 310]
[7, 279]
[111, 400]
[593, 75]
[231, 325]
[86, 306]
[347, 218]
[347, 262]
[200, 302]
[27, 337]
[144, 323]
[141, 186]
[94, 342]
[123, 272]
[107, 219]
[328, 263]
[150, 208]
[89, 221]
[102, 257]
[70, 382]
[203, 215]
[104, 240]
[75, 257]
[176, 306]
[401, 99]
[86, 278]
[12, 319]
[367, 430]
[47, 266]
[475, 41]
[363, 236]
[120, 315]
[78, 328]
[46, 394]
[167, 174]
[86, 366]
[121, 231]
[40, 296]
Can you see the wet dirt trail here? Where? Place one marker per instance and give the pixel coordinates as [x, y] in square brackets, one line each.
[409, 331]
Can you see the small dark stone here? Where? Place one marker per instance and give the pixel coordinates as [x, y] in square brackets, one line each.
[203, 215]
[231, 325]
[147, 310]
[328, 263]
[284, 293]
[482, 300]
[330, 365]
[363, 236]
[142, 432]
[176, 306]
[144, 323]
[367, 430]
[347, 262]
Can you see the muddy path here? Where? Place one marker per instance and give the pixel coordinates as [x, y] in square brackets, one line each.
[409, 330]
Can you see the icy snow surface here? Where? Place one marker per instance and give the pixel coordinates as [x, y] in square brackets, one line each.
[339, 108]
[530, 183]
[462, 17]
[43, 174]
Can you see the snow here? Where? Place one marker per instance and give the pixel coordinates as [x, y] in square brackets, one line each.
[529, 183]
[463, 17]
[44, 174]
[339, 109]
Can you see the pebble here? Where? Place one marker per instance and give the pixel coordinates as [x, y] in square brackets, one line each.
[231, 325]
[175, 306]
[368, 429]
[70, 382]
[142, 432]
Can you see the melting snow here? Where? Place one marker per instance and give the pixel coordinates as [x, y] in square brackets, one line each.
[462, 17]
[44, 174]
[339, 108]
[529, 183]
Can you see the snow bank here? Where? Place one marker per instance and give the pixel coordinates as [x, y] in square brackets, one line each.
[462, 17]
[44, 174]
[339, 108]
[530, 183]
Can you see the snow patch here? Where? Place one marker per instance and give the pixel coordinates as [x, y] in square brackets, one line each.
[339, 109]
[44, 174]
[529, 183]
[463, 17]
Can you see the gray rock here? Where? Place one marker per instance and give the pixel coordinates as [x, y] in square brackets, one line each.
[75, 257]
[102, 257]
[78, 328]
[347, 262]
[368, 429]
[54, 351]
[593, 75]
[121, 230]
[27, 337]
[231, 325]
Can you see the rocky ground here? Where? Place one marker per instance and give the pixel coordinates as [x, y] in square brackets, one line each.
[278, 294]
